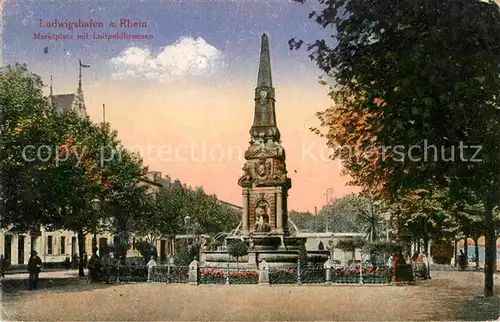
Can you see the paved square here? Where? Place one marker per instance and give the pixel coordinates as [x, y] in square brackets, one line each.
[448, 296]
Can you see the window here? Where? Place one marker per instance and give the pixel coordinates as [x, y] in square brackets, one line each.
[62, 249]
[33, 243]
[49, 245]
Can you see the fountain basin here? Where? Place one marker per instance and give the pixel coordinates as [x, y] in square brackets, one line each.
[317, 256]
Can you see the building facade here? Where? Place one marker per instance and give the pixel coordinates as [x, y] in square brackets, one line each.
[55, 246]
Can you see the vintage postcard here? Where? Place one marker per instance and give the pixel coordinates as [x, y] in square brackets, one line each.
[238, 160]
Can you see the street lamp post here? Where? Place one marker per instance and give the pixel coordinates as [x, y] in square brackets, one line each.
[227, 268]
[186, 221]
[327, 197]
[96, 205]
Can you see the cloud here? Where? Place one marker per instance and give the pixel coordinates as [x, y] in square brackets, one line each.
[186, 57]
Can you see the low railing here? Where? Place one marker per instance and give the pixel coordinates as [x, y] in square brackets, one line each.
[243, 276]
[169, 274]
[312, 274]
[228, 276]
[369, 275]
[121, 273]
[283, 275]
[140, 273]
[292, 274]
[212, 276]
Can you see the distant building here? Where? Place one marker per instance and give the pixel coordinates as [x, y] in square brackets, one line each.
[55, 246]
[69, 102]
[340, 257]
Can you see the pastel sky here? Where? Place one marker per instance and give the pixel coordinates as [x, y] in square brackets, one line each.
[184, 98]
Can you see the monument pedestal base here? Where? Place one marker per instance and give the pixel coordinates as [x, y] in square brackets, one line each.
[276, 250]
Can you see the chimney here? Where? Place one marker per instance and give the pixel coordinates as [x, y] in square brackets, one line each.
[315, 210]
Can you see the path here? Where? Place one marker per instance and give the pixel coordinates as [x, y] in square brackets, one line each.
[448, 296]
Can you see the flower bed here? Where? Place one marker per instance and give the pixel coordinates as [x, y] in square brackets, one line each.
[282, 276]
[244, 277]
[371, 275]
[179, 274]
[212, 276]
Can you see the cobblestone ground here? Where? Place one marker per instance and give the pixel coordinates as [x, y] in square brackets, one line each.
[448, 296]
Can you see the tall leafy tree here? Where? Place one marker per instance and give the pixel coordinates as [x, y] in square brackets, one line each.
[126, 200]
[415, 74]
[25, 125]
[163, 216]
[302, 220]
[79, 178]
[342, 213]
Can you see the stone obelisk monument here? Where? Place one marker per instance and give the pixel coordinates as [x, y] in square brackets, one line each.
[265, 188]
[265, 183]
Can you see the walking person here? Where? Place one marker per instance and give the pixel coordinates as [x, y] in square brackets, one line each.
[462, 260]
[34, 268]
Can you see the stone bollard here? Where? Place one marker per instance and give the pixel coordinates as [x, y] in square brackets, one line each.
[193, 273]
[151, 266]
[299, 272]
[264, 273]
[328, 270]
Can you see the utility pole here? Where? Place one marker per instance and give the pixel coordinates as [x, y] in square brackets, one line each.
[328, 193]
[327, 196]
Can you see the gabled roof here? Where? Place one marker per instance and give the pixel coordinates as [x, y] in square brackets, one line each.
[232, 205]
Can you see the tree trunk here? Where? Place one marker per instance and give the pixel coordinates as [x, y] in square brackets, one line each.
[426, 246]
[490, 248]
[476, 251]
[466, 250]
[455, 256]
[81, 250]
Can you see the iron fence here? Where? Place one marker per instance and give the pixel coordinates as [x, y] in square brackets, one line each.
[212, 276]
[225, 276]
[292, 274]
[125, 273]
[170, 274]
[283, 275]
[362, 275]
[243, 276]
[312, 274]
[139, 273]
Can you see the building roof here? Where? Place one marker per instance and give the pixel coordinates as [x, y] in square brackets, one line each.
[155, 178]
[63, 102]
[230, 204]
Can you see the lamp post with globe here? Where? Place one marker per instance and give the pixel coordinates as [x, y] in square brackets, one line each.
[96, 207]
[186, 223]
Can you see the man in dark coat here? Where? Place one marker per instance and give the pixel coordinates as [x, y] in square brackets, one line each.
[34, 268]
[2, 266]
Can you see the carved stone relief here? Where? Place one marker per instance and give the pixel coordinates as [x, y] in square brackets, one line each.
[262, 216]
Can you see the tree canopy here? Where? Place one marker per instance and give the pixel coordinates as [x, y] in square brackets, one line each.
[409, 79]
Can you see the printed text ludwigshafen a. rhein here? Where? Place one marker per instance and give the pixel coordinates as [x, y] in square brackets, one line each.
[70, 25]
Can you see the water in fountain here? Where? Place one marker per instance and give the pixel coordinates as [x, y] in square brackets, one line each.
[292, 224]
